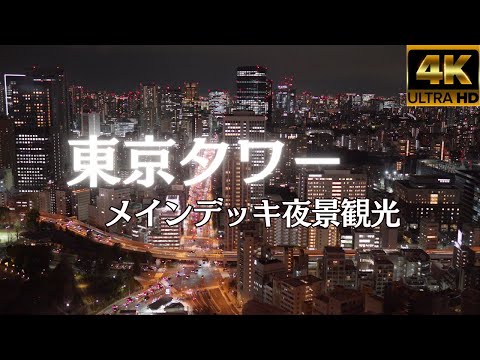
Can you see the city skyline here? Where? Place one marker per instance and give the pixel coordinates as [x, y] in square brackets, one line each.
[321, 69]
[269, 198]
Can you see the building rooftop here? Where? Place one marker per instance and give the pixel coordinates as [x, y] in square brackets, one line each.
[265, 261]
[333, 250]
[413, 255]
[302, 280]
[426, 185]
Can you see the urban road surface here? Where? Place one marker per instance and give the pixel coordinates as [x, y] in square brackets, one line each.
[200, 287]
[103, 237]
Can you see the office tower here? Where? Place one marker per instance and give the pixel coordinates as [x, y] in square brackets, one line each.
[463, 256]
[80, 203]
[191, 91]
[294, 145]
[382, 274]
[163, 235]
[366, 239]
[468, 181]
[134, 101]
[42, 118]
[2, 97]
[428, 196]
[90, 124]
[217, 106]
[331, 184]
[285, 104]
[76, 96]
[171, 100]
[293, 295]
[101, 214]
[406, 147]
[242, 125]
[333, 267]
[248, 247]
[121, 105]
[288, 252]
[471, 234]
[327, 184]
[252, 89]
[285, 96]
[149, 110]
[316, 238]
[264, 270]
[429, 233]
[191, 122]
[464, 261]
[7, 143]
[339, 301]
[44, 201]
[278, 234]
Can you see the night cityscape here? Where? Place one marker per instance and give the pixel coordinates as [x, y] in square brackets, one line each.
[245, 184]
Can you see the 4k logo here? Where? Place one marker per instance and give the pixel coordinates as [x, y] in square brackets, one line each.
[443, 75]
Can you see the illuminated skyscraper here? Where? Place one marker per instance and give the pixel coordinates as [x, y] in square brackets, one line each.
[285, 97]
[252, 89]
[217, 105]
[191, 121]
[242, 125]
[170, 109]
[76, 95]
[42, 118]
[149, 118]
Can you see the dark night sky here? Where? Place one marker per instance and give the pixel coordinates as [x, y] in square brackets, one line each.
[318, 68]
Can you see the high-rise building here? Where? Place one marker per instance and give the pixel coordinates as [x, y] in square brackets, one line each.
[293, 295]
[242, 125]
[366, 239]
[264, 270]
[279, 234]
[247, 249]
[80, 203]
[101, 214]
[331, 184]
[191, 119]
[426, 197]
[42, 119]
[63, 202]
[468, 181]
[429, 233]
[149, 110]
[382, 274]
[464, 261]
[90, 124]
[218, 106]
[285, 97]
[252, 89]
[2, 97]
[191, 91]
[471, 234]
[7, 143]
[163, 235]
[171, 100]
[333, 267]
[76, 96]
